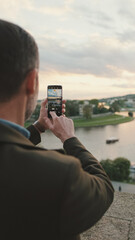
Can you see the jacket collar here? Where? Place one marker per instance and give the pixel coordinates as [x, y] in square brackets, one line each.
[11, 135]
[19, 128]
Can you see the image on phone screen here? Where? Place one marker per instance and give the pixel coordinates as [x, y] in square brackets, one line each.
[55, 99]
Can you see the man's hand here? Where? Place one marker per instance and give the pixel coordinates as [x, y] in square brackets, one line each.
[62, 127]
[40, 123]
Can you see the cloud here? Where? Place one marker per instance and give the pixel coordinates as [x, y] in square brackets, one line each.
[99, 57]
[51, 8]
[11, 8]
[91, 14]
[79, 38]
[126, 86]
[127, 36]
[127, 11]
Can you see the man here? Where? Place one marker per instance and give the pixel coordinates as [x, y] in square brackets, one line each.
[43, 194]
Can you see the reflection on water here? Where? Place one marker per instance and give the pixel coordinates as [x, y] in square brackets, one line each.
[94, 139]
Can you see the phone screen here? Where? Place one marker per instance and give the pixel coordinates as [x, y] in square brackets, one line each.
[54, 95]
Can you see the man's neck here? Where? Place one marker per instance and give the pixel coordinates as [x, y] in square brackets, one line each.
[13, 111]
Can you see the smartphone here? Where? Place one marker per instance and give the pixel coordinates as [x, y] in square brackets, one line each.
[54, 96]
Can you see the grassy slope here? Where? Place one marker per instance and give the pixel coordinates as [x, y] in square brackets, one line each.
[101, 121]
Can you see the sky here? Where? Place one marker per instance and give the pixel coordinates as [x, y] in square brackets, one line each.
[87, 46]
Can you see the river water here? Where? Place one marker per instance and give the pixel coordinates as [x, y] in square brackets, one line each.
[94, 139]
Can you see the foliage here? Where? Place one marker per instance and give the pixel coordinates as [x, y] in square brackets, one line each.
[115, 107]
[81, 102]
[108, 167]
[100, 109]
[72, 108]
[87, 111]
[121, 169]
[130, 114]
[117, 169]
[121, 103]
[94, 102]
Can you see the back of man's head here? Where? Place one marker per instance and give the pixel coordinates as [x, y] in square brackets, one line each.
[18, 56]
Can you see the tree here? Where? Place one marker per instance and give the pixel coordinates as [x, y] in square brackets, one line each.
[108, 167]
[117, 169]
[87, 111]
[72, 108]
[130, 114]
[121, 169]
[121, 103]
[96, 110]
[94, 102]
[115, 107]
[81, 102]
[102, 109]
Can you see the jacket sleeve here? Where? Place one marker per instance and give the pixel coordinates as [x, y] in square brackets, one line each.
[35, 138]
[88, 191]
[34, 135]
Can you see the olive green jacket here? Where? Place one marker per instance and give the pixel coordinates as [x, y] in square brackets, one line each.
[46, 194]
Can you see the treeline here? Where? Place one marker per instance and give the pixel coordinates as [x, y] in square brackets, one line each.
[117, 169]
[92, 106]
[88, 107]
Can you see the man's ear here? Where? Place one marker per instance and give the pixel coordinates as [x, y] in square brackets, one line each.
[31, 83]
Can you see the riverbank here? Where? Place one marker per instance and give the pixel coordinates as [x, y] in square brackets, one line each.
[97, 121]
[102, 121]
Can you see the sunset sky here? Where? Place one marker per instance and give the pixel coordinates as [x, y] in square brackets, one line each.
[86, 46]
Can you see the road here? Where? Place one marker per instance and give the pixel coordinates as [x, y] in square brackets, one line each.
[125, 187]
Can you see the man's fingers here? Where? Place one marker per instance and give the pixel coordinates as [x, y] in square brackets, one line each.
[48, 123]
[63, 107]
[53, 115]
[63, 110]
[43, 104]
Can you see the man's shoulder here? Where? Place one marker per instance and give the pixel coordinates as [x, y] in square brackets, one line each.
[38, 156]
[50, 157]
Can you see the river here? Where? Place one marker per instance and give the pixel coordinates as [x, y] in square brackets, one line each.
[94, 139]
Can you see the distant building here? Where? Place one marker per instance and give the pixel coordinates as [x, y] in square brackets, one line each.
[81, 107]
[130, 103]
[113, 100]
